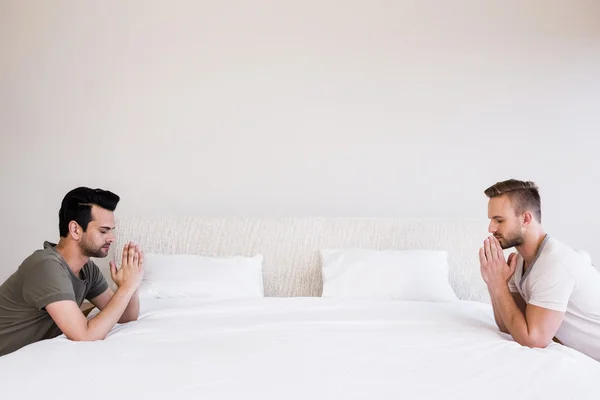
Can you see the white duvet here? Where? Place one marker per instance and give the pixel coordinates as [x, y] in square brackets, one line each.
[300, 348]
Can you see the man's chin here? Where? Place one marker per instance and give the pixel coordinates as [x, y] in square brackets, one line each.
[99, 254]
[505, 245]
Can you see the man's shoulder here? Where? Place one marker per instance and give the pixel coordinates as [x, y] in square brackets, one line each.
[42, 259]
[557, 262]
[561, 255]
[556, 245]
[42, 255]
[40, 268]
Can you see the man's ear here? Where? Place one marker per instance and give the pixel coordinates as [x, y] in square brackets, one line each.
[75, 230]
[527, 218]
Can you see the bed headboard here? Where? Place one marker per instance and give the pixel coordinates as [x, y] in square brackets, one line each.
[290, 245]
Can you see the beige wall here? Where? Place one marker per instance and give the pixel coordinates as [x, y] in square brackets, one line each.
[356, 108]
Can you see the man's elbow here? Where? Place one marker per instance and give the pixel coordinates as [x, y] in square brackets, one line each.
[128, 318]
[535, 342]
[84, 337]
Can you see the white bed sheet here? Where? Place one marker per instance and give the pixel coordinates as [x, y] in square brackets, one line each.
[300, 348]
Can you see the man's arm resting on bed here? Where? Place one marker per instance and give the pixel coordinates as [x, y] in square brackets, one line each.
[71, 321]
[535, 328]
[131, 312]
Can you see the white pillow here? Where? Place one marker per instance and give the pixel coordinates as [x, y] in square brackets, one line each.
[187, 275]
[415, 275]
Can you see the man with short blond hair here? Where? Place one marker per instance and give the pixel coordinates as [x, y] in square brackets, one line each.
[546, 289]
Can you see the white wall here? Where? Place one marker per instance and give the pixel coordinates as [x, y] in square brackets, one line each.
[355, 108]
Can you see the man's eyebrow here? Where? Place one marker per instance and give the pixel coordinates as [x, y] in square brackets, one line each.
[107, 228]
[497, 217]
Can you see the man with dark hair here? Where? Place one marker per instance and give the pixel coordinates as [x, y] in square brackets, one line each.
[546, 289]
[42, 298]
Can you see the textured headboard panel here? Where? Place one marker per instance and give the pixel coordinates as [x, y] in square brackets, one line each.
[290, 245]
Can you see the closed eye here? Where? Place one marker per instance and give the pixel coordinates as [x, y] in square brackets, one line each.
[104, 229]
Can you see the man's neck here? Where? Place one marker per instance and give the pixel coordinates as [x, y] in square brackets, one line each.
[530, 248]
[71, 253]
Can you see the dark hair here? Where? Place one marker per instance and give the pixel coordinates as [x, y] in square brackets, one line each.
[524, 195]
[77, 206]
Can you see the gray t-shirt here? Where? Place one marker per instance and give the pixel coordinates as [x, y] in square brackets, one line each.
[43, 278]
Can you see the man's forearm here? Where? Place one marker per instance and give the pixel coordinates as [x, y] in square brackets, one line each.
[513, 319]
[132, 311]
[497, 316]
[99, 326]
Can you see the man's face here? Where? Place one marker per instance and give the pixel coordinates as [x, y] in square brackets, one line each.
[96, 240]
[505, 225]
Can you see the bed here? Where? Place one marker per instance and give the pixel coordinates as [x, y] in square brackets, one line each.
[298, 339]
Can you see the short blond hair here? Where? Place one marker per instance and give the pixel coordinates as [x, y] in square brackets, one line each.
[524, 195]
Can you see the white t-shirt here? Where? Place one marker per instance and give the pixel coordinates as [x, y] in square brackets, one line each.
[563, 280]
